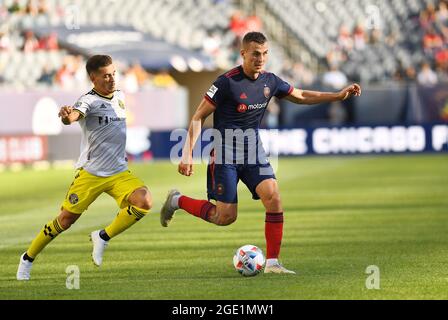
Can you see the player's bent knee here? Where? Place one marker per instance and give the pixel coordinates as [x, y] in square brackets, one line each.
[141, 198]
[146, 203]
[273, 202]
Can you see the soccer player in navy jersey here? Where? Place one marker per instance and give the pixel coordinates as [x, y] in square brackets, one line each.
[238, 99]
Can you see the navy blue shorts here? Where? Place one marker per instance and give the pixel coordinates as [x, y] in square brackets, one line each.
[222, 180]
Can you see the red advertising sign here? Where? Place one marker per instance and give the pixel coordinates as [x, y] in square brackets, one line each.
[23, 149]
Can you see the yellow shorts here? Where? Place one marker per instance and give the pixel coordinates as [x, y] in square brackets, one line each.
[86, 188]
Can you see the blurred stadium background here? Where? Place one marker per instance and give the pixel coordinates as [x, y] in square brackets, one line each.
[169, 51]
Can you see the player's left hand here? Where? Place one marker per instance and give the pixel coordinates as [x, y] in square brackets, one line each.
[350, 91]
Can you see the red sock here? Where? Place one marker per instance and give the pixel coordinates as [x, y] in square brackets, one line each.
[197, 208]
[273, 230]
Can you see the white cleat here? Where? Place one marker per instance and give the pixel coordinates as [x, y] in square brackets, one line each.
[98, 247]
[24, 270]
[277, 268]
[167, 211]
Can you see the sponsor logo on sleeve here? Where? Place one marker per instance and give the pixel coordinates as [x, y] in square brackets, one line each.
[212, 91]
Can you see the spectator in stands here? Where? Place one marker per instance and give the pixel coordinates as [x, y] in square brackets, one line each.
[253, 23]
[427, 77]
[3, 13]
[234, 56]
[432, 13]
[376, 36]
[296, 74]
[79, 72]
[334, 78]
[212, 44]
[441, 59]
[30, 43]
[405, 74]
[432, 42]
[410, 74]
[238, 24]
[47, 76]
[42, 7]
[336, 56]
[164, 79]
[428, 17]
[302, 76]
[442, 74]
[64, 77]
[424, 21]
[5, 42]
[31, 8]
[360, 37]
[287, 72]
[15, 7]
[442, 20]
[442, 13]
[392, 39]
[345, 40]
[49, 42]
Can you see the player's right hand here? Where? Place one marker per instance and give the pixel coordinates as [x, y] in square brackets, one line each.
[185, 169]
[65, 112]
[350, 91]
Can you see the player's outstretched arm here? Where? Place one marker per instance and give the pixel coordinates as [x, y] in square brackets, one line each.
[68, 115]
[313, 97]
[194, 131]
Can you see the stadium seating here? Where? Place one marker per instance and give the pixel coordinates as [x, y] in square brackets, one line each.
[316, 25]
[24, 69]
[189, 23]
[183, 23]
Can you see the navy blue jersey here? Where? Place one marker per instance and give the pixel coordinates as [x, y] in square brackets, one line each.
[241, 103]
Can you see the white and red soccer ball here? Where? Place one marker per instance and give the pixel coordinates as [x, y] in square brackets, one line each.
[249, 260]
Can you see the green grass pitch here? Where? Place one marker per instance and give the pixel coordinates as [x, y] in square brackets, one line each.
[342, 214]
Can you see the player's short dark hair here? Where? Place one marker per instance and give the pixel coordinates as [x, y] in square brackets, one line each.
[257, 37]
[97, 61]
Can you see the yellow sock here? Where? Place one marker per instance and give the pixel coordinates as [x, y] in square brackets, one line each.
[124, 219]
[48, 233]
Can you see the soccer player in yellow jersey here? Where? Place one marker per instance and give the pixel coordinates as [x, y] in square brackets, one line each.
[102, 166]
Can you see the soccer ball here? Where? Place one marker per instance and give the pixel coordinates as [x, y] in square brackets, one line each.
[248, 260]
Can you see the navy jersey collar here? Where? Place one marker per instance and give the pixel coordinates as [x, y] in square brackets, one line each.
[246, 76]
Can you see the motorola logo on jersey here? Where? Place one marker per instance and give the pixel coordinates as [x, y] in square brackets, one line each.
[242, 108]
[257, 106]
